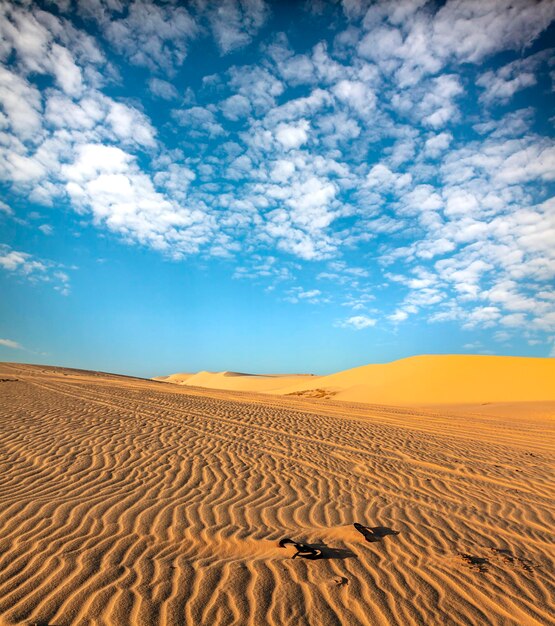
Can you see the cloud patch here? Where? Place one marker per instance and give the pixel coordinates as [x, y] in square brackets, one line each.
[358, 322]
[387, 159]
[10, 343]
[34, 269]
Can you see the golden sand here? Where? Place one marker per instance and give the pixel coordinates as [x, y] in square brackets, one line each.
[419, 380]
[125, 501]
[237, 381]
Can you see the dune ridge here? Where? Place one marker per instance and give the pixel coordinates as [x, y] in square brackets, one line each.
[125, 501]
[420, 380]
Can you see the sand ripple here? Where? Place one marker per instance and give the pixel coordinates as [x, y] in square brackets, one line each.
[133, 502]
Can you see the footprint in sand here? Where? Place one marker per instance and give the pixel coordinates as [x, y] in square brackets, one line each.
[516, 562]
[480, 564]
[475, 563]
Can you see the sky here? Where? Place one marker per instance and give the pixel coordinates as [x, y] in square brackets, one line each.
[275, 187]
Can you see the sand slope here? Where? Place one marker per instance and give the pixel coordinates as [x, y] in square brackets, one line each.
[237, 381]
[130, 502]
[177, 379]
[421, 380]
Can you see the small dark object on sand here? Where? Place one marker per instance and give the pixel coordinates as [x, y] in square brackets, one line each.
[304, 551]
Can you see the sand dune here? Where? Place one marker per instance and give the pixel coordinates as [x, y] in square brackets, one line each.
[126, 501]
[421, 380]
[238, 381]
[178, 378]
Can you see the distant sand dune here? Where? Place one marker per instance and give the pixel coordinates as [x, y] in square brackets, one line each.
[237, 381]
[421, 380]
[129, 502]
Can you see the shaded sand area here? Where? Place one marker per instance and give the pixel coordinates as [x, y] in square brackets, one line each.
[125, 501]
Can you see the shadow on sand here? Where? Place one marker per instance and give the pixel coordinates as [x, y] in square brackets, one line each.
[374, 533]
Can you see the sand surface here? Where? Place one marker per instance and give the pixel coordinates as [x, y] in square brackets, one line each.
[238, 381]
[415, 381]
[125, 501]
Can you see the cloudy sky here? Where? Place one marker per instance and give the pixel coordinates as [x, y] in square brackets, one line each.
[303, 186]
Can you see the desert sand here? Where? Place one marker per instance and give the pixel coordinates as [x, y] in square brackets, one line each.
[420, 380]
[237, 381]
[128, 501]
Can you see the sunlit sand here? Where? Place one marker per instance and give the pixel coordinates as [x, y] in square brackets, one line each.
[128, 501]
[421, 380]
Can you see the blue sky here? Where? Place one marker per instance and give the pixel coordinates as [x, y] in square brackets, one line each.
[275, 187]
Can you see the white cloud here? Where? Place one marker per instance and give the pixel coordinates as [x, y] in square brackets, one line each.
[296, 241]
[295, 109]
[235, 107]
[382, 45]
[357, 95]
[46, 229]
[485, 317]
[312, 293]
[40, 41]
[257, 85]
[295, 69]
[530, 163]
[340, 273]
[12, 260]
[502, 89]
[152, 35]
[9, 343]
[317, 155]
[95, 159]
[384, 179]
[63, 112]
[235, 22]
[358, 322]
[67, 74]
[337, 129]
[199, 119]
[107, 181]
[476, 345]
[292, 135]
[282, 170]
[266, 267]
[459, 31]
[472, 30]
[33, 269]
[175, 179]
[6, 209]
[398, 316]
[130, 125]
[21, 103]
[437, 105]
[514, 320]
[437, 144]
[162, 89]
[298, 294]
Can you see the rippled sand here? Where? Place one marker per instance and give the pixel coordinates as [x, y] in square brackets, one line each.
[124, 501]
